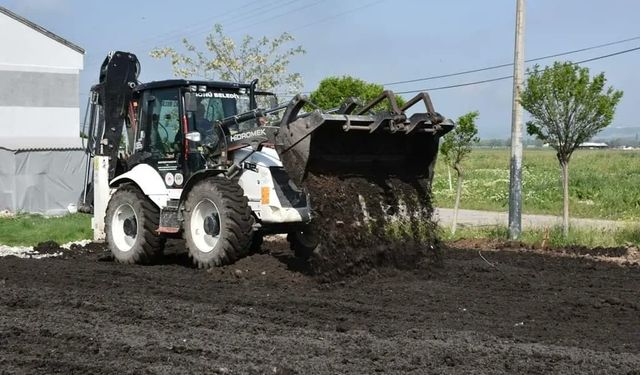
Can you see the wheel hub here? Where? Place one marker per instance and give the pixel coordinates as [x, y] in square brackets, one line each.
[130, 226]
[205, 225]
[212, 225]
[124, 227]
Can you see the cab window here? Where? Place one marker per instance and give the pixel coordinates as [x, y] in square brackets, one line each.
[162, 122]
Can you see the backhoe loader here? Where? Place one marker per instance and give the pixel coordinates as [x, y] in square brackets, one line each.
[222, 164]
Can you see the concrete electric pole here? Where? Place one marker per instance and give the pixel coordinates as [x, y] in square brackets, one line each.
[515, 180]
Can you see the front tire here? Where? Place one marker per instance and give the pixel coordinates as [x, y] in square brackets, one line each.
[218, 222]
[130, 224]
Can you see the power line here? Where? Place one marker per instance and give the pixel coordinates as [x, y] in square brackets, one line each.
[337, 15]
[502, 66]
[511, 76]
[457, 85]
[174, 36]
[511, 64]
[309, 5]
[253, 13]
[607, 55]
[196, 25]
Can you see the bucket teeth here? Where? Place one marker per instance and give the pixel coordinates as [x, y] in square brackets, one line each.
[358, 139]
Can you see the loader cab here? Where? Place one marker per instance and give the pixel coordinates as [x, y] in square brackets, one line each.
[159, 122]
[169, 110]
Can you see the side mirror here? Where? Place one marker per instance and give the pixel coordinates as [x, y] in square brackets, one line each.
[193, 136]
[190, 102]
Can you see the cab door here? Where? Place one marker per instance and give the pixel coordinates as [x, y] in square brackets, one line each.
[162, 137]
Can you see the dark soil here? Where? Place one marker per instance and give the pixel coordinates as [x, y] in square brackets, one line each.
[515, 311]
[47, 247]
[354, 242]
[75, 250]
[627, 255]
[597, 251]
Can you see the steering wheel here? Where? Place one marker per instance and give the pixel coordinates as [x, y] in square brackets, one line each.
[164, 129]
[165, 148]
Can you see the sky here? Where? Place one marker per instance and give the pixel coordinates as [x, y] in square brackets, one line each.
[379, 41]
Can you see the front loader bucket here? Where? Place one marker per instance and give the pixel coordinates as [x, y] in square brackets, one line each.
[368, 174]
[361, 143]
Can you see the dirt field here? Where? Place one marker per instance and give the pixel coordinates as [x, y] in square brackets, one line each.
[514, 311]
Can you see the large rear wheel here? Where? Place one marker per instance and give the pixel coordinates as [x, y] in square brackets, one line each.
[130, 224]
[218, 222]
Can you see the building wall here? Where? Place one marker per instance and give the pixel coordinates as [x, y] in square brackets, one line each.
[44, 182]
[7, 180]
[27, 49]
[39, 84]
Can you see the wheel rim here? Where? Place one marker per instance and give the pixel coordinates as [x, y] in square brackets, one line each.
[205, 225]
[124, 224]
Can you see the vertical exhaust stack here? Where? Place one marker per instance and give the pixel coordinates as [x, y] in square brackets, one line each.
[368, 171]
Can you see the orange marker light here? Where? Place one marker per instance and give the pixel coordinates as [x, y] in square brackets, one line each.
[264, 199]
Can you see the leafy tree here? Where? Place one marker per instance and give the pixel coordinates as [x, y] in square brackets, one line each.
[455, 147]
[262, 58]
[333, 91]
[567, 108]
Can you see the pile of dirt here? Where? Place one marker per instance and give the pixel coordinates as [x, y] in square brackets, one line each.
[276, 265]
[489, 244]
[72, 250]
[366, 223]
[48, 247]
[626, 255]
[609, 252]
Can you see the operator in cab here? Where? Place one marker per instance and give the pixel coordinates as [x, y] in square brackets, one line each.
[210, 136]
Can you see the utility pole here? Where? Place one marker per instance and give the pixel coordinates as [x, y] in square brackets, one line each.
[515, 180]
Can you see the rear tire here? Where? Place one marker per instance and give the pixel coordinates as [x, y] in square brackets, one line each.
[131, 222]
[303, 243]
[218, 222]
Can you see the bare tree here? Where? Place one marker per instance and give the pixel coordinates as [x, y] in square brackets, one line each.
[455, 147]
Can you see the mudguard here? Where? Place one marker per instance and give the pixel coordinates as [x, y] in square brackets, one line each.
[148, 180]
[267, 186]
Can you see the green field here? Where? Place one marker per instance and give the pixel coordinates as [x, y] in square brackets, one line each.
[29, 230]
[603, 184]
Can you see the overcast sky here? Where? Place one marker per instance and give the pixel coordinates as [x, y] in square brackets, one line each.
[376, 40]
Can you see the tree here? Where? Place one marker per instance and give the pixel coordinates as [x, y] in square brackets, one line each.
[253, 58]
[333, 91]
[567, 108]
[455, 147]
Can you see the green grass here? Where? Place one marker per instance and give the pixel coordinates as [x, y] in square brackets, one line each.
[629, 235]
[603, 184]
[29, 230]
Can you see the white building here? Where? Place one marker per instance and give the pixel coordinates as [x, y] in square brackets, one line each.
[593, 145]
[41, 154]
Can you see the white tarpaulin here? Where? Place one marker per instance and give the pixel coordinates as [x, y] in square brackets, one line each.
[40, 181]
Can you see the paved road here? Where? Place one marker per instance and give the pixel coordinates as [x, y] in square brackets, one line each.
[473, 218]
